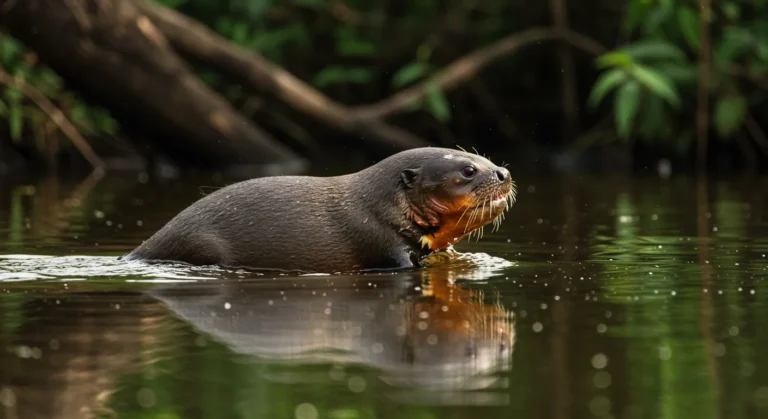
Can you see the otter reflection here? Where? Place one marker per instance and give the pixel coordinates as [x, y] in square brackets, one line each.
[418, 329]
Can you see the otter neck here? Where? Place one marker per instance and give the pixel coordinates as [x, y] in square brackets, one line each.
[404, 216]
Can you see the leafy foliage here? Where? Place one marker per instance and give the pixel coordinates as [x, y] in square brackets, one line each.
[24, 119]
[362, 52]
[664, 59]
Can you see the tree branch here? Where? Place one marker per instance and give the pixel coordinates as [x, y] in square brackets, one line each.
[125, 64]
[196, 41]
[56, 116]
[468, 66]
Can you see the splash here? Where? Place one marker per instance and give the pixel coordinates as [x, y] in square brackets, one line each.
[19, 268]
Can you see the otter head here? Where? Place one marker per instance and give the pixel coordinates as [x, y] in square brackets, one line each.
[454, 194]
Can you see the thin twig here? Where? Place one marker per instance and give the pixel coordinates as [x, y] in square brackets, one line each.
[57, 117]
[702, 113]
[469, 65]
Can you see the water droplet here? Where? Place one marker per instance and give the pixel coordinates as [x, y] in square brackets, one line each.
[305, 411]
[538, 327]
[600, 406]
[7, 397]
[146, 398]
[665, 353]
[356, 384]
[599, 361]
[602, 379]
[761, 397]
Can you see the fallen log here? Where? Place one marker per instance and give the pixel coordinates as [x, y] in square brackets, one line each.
[115, 56]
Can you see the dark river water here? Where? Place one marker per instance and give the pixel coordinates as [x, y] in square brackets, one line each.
[599, 297]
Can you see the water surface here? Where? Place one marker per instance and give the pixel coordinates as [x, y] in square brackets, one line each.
[600, 297]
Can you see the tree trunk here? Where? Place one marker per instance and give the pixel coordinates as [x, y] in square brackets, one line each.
[116, 57]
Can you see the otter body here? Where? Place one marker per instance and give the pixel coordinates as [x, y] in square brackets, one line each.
[389, 215]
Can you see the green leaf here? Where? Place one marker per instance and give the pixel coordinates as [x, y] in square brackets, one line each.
[309, 3]
[13, 95]
[437, 103]
[636, 13]
[729, 115]
[16, 121]
[657, 83]
[359, 75]
[47, 81]
[223, 25]
[256, 10]
[604, 84]
[734, 42]
[409, 73]
[731, 10]
[79, 112]
[9, 50]
[678, 73]
[339, 75]
[688, 21]
[627, 103]
[653, 118]
[614, 59]
[355, 48]
[654, 50]
[240, 33]
[657, 17]
[328, 76]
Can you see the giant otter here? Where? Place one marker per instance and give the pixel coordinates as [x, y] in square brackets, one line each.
[389, 215]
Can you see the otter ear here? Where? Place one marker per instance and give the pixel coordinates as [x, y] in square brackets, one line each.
[409, 176]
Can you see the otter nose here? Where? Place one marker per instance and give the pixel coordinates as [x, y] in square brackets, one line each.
[502, 173]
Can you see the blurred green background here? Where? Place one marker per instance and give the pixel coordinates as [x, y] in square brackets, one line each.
[657, 87]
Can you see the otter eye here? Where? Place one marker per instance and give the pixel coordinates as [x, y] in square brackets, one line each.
[468, 171]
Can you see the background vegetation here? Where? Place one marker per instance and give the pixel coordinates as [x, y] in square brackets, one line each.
[675, 78]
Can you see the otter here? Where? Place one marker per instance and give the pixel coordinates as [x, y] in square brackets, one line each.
[390, 215]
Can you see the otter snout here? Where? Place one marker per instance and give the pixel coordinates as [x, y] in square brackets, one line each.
[502, 174]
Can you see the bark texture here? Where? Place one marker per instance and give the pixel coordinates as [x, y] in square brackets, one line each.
[115, 56]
